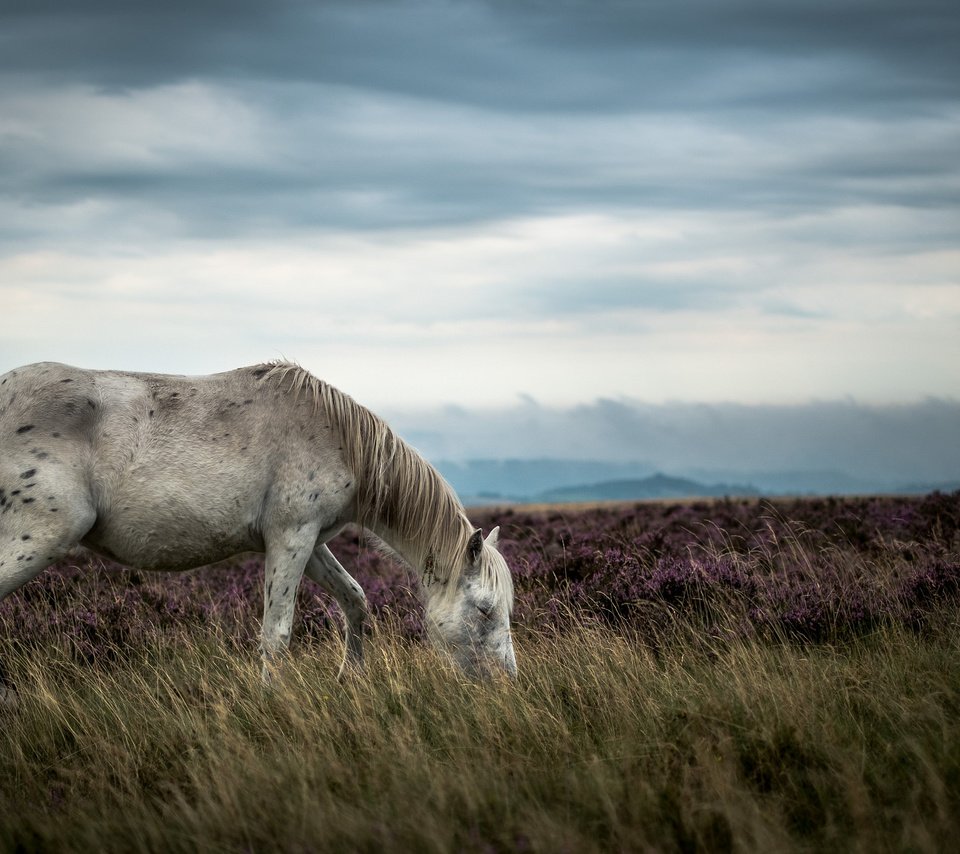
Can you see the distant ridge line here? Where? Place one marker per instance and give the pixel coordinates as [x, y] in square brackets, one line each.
[543, 480]
[655, 486]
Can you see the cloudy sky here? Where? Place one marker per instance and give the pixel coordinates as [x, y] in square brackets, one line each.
[490, 204]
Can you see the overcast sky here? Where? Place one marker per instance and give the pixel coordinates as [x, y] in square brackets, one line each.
[482, 203]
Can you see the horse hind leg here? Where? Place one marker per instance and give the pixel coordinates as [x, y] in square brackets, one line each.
[35, 533]
[324, 569]
[37, 528]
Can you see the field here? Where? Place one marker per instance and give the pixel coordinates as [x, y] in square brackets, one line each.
[728, 675]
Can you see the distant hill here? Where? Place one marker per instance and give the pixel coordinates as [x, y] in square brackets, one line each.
[523, 480]
[924, 488]
[550, 480]
[811, 482]
[655, 486]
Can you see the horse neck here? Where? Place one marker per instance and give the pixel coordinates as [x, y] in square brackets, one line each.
[432, 544]
[425, 555]
[400, 496]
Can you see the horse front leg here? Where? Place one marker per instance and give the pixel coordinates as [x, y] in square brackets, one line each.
[286, 557]
[324, 569]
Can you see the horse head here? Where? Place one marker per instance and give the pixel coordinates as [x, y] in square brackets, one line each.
[468, 613]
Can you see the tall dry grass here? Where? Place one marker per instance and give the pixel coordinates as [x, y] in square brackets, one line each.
[604, 743]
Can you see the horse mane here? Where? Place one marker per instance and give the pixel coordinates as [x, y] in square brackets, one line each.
[395, 485]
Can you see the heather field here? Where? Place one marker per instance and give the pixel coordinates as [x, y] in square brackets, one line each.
[729, 675]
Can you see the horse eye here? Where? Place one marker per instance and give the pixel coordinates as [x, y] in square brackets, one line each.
[485, 610]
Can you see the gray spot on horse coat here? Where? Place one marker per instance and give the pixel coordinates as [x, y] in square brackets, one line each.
[28, 473]
[26, 427]
[28, 500]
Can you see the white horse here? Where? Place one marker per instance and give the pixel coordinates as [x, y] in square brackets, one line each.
[171, 472]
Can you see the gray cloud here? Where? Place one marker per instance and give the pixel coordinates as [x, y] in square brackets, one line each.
[348, 162]
[883, 445]
[556, 55]
[383, 115]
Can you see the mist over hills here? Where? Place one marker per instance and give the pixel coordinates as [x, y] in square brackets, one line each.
[525, 451]
[528, 479]
[554, 481]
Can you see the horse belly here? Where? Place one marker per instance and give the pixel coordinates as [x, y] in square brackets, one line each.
[174, 534]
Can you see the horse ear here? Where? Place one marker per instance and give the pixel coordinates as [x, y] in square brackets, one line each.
[493, 537]
[475, 547]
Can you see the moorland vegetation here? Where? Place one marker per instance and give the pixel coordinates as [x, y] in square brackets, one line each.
[724, 675]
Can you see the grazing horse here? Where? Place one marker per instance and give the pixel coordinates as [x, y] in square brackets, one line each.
[171, 472]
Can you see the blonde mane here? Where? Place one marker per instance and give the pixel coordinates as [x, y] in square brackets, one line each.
[397, 488]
